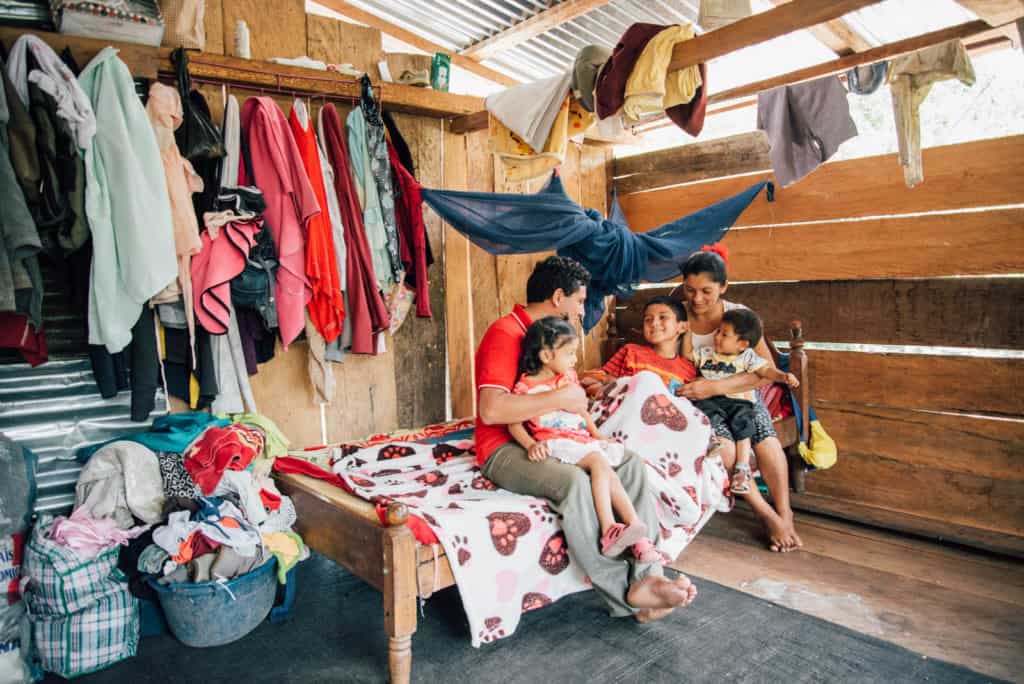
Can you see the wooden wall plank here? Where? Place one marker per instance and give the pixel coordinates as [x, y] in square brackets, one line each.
[954, 497]
[730, 156]
[977, 174]
[342, 42]
[919, 381]
[213, 24]
[420, 343]
[944, 312]
[483, 270]
[985, 447]
[975, 243]
[277, 28]
[595, 168]
[459, 299]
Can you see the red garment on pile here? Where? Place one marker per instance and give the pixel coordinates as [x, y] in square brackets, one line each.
[17, 333]
[220, 260]
[326, 307]
[219, 449]
[610, 92]
[366, 307]
[409, 215]
[290, 205]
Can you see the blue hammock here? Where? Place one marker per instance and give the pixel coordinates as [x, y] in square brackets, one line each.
[617, 258]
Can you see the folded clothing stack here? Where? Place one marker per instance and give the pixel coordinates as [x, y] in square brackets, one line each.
[130, 21]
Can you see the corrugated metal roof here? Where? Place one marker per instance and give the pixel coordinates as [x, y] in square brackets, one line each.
[458, 24]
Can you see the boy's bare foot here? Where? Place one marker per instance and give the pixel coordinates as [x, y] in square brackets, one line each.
[657, 592]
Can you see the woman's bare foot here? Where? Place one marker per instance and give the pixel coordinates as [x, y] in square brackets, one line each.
[657, 592]
[782, 534]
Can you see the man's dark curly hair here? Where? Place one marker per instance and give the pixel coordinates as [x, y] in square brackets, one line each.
[552, 274]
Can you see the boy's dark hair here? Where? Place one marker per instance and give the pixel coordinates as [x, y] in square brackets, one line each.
[550, 332]
[552, 274]
[674, 304]
[746, 323]
[705, 262]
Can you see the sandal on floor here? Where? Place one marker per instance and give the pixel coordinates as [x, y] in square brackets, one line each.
[741, 477]
[619, 537]
[646, 552]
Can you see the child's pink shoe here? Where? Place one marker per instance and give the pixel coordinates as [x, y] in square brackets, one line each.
[646, 552]
[619, 537]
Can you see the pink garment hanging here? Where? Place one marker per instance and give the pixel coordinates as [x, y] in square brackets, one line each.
[222, 258]
[366, 308]
[290, 205]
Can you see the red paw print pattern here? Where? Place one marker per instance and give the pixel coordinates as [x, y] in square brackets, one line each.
[492, 630]
[429, 518]
[659, 410]
[692, 491]
[554, 557]
[543, 513]
[455, 489]
[394, 451]
[670, 462]
[462, 553]
[671, 503]
[446, 452]
[435, 478]
[481, 482]
[361, 481]
[698, 465]
[506, 528]
[534, 600]
[665, 532]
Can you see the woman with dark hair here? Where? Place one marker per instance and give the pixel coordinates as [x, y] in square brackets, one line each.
[705, 282]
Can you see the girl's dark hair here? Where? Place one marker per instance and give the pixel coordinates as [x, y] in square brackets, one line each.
[674, 304]
[705, 262]
[551, 332]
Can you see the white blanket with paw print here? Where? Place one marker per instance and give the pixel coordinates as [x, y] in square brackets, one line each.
[507, 551]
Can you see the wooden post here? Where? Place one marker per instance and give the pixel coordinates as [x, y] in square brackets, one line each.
[798, 367]
[399, 593]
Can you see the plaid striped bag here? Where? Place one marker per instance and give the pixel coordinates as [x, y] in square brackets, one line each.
[59, 582]
[91, 639]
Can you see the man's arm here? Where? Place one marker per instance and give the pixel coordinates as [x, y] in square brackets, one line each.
[499, 407]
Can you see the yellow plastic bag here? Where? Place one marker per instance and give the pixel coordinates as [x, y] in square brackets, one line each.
[822, 452]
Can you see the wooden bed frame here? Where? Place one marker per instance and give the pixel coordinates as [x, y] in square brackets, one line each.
[348, 530]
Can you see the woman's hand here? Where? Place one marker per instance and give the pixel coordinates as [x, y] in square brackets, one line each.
[538, 452]
[701, 388]
[792, 381]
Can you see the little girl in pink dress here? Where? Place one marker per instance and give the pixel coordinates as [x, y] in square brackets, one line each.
[547, 362]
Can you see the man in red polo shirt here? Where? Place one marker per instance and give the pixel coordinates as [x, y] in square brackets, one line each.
[558, 287]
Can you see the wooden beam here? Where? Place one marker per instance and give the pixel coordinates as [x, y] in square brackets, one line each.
[900, 47]
[531, 27]
[836, 35]
[370, 19]
[142, 60]
[254, 75]
[743, 153]
[758, 28]
[995, 12]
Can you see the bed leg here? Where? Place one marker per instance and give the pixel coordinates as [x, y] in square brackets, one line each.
[399, 597]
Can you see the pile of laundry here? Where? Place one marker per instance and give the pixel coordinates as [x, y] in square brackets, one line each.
[191, 500]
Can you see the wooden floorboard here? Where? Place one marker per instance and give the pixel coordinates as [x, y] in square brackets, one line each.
[940, 601]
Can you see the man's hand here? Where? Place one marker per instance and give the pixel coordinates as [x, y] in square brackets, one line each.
[538, 452]
[573, 399]
[701, 388]
[792, 381]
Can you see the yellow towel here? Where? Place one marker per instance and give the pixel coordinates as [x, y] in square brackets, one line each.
[651, 88]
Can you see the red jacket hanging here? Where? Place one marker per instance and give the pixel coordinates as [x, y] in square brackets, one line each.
[326, 307]
[409, 214]
[367, 311]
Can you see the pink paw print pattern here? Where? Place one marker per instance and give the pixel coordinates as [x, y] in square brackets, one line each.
[434, 478]
[492, 630]
[670, 462]
[462, 552]
[482, 483]
[554, 556]
[543, 513]
[506, 528]
[670, 503]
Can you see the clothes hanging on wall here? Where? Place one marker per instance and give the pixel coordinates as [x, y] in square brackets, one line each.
[910, 80]
[367, 310]
[226, 244]
[380, 168]
[326, 307]
[127, 205]
[361, 166]
[336, 348]
[279, 173]
[409, 212]
[164, 110]
[651, 88]
[805, 124]
[617, 258]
